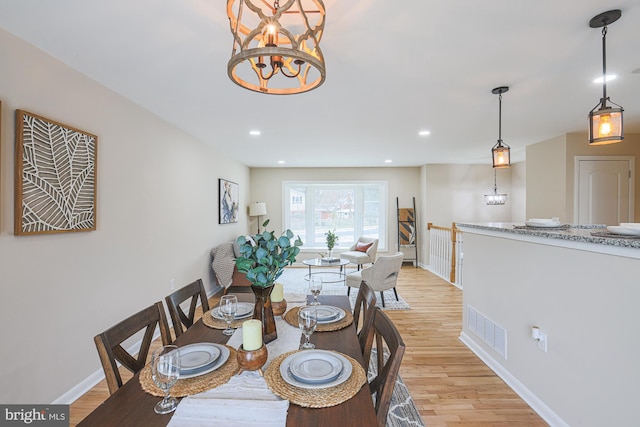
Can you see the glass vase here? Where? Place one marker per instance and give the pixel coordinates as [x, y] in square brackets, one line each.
[263, 311]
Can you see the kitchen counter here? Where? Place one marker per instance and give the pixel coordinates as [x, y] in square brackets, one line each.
[580, 234]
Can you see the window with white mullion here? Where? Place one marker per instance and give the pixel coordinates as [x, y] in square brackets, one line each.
[350, 209]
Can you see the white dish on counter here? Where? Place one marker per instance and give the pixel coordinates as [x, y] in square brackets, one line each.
[543, 224]
[623, 231]
[632, 225]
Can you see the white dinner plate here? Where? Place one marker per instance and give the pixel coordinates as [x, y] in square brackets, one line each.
[195, 356]
[540, 224]
[315, 366]
[285, 372]
[244, 309]
[224, 355]
[329, 314]
[623, 231]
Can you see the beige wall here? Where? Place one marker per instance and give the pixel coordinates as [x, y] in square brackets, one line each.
[550, 173]
[157, 220]
[577, 145]
[404, 183]
[456, 193]
[546, 192]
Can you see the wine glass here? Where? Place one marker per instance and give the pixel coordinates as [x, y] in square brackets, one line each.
[228, 309]
[165, 370]
[315, 286]
[307, 320]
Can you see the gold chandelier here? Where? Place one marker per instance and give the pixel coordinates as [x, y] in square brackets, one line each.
[276, 49]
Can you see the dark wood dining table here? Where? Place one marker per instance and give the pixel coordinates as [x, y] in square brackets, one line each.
[132, 406]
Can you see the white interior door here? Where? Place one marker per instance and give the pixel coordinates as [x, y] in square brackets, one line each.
[604, 190]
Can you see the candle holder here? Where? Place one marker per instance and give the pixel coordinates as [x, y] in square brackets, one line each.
[252, 360]
[279, 307]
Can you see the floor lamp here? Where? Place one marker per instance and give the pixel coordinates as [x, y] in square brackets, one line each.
[258, 209]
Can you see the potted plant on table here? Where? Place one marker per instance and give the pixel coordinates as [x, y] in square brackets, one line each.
[332, 239]
[262, 259]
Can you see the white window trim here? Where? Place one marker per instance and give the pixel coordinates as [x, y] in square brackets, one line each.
[384, 222]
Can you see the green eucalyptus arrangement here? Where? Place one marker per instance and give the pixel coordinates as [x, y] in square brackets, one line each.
[263, 257]
[332, 239]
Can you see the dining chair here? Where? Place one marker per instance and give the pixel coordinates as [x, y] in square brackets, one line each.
[389, 348]
[365, 304]
[109, 343]
[179, 318]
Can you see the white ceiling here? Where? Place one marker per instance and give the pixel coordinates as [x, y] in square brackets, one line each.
[393, 68]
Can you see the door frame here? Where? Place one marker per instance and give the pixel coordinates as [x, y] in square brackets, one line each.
[576, 183]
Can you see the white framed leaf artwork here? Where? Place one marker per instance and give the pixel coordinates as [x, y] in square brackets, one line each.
[55, 177]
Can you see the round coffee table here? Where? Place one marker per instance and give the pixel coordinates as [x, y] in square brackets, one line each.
[327, 276]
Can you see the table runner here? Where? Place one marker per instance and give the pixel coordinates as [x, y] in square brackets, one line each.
[244, 401]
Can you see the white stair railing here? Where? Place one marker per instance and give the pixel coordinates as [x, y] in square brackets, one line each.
[445, 253]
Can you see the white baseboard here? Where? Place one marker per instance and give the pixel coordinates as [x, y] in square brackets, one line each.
[521, 390]
[88, 383]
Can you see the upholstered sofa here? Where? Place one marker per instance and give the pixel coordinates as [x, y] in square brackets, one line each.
[224, 267]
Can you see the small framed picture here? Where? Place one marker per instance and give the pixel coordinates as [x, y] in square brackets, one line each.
[228, 199]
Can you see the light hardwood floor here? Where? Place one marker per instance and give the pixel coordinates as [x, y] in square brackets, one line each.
[449, 384]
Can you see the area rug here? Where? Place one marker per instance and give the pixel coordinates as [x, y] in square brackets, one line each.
[294, 282]
[402, 409]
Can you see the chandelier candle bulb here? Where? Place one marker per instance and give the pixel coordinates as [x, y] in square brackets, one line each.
[252, 335]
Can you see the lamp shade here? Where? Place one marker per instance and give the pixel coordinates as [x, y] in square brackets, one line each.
[501, 154]
[605, 126]
[257, 209]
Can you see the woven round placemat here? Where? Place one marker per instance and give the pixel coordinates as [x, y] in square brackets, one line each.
[316, 397]
[291, 317]
[214, 323]
[189, 386]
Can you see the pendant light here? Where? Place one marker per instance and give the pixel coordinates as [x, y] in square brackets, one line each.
[501, 153]
[605, 122]
[495, 198]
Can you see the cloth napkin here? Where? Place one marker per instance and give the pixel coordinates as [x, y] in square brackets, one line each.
[244, 401]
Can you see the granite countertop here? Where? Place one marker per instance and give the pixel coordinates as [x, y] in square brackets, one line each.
[578, 233]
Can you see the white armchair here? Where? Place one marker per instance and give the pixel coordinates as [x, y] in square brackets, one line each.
[362, 252]
[381, 276]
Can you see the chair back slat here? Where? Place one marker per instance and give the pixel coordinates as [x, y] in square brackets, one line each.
[182, 321]
[390, 351]
[109, 343]
[363, 312]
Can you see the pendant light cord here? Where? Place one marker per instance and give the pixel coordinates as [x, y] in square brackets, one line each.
[604, 65]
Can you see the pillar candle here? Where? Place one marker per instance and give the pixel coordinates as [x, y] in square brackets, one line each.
[277, 293]
[251, 335]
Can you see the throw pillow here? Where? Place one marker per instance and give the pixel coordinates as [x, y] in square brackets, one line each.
[362, 247]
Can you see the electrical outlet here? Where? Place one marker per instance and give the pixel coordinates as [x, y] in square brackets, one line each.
[172, 284]
[542, 341]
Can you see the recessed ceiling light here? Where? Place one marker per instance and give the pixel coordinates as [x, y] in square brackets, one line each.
[281, 162]
[424, 133]
[388, 161]
[607, 78]
[254, 132]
